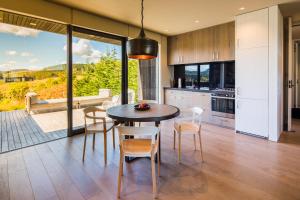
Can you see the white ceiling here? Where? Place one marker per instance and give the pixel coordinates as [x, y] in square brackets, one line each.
[171, 17]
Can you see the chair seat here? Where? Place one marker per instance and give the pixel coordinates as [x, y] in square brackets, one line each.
[138, 147]
[98, 127]
[186, 127]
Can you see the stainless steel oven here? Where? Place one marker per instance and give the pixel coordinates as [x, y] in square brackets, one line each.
[223, 104]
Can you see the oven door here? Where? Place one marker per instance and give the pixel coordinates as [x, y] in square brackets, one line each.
[223, 107]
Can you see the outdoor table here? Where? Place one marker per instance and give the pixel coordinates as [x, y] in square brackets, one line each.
[157, 113]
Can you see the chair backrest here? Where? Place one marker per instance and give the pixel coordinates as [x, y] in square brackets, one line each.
[116, 100]
[91, 110]
[197, 115]
[141, 132]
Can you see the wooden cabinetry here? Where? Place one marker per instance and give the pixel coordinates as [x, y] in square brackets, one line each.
[204, 45]
[224, 45]
[252, 60]
[185, 100]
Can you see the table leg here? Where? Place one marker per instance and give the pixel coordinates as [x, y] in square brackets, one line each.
[157, 125]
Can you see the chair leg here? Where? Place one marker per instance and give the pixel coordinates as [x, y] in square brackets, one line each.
[158, 163]
[113, 137]
[153, 176]
[120, 174]
[174, 140]
[201, 147]
[195, 142]
[84, 146]
[179, 147]
[105, 147]
[94, 136]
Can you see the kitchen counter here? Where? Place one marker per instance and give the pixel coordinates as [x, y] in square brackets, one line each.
[188, 89]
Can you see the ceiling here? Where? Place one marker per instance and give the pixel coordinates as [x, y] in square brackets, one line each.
[171, 17]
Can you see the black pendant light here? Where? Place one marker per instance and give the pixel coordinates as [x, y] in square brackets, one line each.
[142, 48]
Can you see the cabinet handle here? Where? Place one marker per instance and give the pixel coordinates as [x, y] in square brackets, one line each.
[217, 55]
[213, 55]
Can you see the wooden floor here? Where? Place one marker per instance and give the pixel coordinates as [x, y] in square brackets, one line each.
[18, 130]
[236, 167]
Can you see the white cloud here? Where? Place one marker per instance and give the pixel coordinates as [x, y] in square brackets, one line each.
[26, 54]
[8, 66]
[12, 62]
[11, 53]
[19, 31]
[33, 60]
[84, 49]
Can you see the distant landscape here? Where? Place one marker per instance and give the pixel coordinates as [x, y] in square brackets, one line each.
[51, 82]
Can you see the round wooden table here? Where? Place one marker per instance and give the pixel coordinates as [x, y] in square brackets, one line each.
[157, 113]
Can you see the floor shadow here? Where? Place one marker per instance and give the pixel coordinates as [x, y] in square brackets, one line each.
[292, 137]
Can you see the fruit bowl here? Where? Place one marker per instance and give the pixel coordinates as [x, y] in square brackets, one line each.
[142, 107]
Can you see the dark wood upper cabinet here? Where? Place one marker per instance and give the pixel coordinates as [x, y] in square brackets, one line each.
[205, 45]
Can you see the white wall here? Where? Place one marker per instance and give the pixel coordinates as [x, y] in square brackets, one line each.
[275, 73]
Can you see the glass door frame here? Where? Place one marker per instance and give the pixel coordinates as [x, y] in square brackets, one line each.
[124, 75]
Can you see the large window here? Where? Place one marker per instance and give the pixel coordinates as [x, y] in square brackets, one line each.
[39, 74]
[97, 73]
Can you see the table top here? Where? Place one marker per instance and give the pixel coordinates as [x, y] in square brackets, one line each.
[156, 113]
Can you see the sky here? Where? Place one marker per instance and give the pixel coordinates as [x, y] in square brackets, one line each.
[25, 48]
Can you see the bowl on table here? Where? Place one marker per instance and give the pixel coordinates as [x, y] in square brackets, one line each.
[142, 107]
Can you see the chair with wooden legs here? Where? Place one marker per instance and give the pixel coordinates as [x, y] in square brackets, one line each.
[184, 126]
[140, 146]
[99, 124]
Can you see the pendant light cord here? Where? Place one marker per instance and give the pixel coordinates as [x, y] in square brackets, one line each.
[142, 13]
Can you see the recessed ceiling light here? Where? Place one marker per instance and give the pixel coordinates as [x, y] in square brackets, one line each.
[242, 8]
[197, 21]
[166, 30]
[32, 24]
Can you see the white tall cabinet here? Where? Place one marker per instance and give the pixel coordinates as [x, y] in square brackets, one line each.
[253, 71]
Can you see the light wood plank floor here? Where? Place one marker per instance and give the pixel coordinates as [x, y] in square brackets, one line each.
[236, 167]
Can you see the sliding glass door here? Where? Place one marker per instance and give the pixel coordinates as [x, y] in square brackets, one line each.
[97, 69]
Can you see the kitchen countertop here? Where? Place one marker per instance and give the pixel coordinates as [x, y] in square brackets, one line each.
[188, 89]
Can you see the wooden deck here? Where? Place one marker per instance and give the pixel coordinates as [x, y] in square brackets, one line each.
[18, 130]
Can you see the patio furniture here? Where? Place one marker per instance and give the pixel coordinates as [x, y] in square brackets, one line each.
[99, 124]
[35, 105]
[139, 147]
[186, 125]
[116, 100]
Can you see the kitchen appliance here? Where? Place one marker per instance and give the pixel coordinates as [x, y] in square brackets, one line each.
[223, 103]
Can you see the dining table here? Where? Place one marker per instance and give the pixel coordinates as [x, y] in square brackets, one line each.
[127, 114]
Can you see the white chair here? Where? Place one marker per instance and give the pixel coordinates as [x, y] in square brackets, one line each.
[185, 125]
[99, 124]
[139, 146]
[116, 100]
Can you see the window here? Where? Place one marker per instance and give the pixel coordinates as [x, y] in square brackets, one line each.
[191, 76]
[204, 75]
